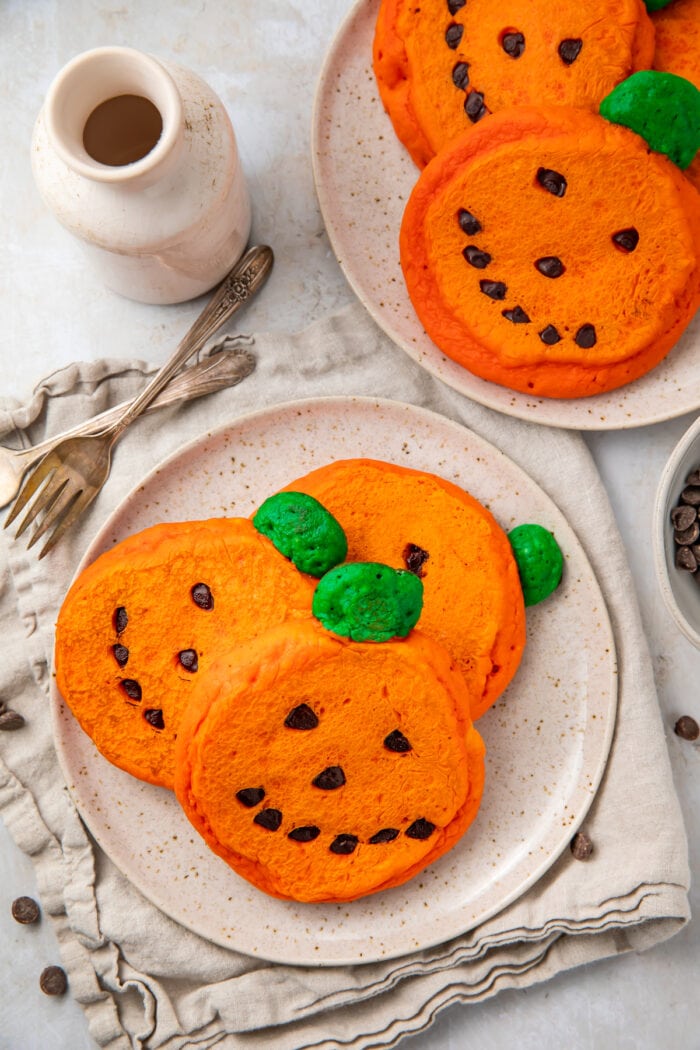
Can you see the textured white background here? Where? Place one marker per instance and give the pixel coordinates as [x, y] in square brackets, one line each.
[263, 60]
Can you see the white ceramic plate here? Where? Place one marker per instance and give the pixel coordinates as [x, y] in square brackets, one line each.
[364, 177]
[547, 739]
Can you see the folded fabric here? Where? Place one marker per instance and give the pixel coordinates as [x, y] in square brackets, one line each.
[142, 979]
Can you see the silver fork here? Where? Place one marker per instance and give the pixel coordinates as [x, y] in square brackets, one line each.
[68, 478]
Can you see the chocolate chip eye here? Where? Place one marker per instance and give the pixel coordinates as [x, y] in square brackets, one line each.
[586, 337]
[475, 107]
[121, 654]
[517, 315]
[570, 49]
[385, 835]
[453, 6]
[453, 35]
[550, 335]
[343, 844]
[552, 181]
[550, 266]
[396, 741]
[270, 819]
[188, 659]
[154, 717]
[468, 222]
[414, 558]
[420, 829]
[494, 289]
[476, 257]
[250, 797]
[202, 596]
[304, 834]
[131, 687]
[301, 717]
[626, 240]
[460, 76]
[330, 779]
[120, 619]
[513, 43]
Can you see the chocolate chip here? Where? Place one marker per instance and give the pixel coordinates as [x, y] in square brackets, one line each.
[131, 687]
[469, 223]
[550, 266]
[121, 654]
[691, 495]
[569, 49]
[120, 619]
[693, 478]
[476, 257]
[626, 240]
[586, 337]
[581, 846]
[517, 315]
[53, 980]
[330, 779]
[270, 819]
[396, 741]
[343, 844]
[154, 717]
[25, 910]
[687, 537]
[11, 720]
[202, 596]
[683, 517]
[301, 717]
[494, 289]
[453, 35]
[414, 558]
[304, 834]
[687, 728]
[385, 835]
[685, 559]
[453, 6]
[513, 44]
[460, 75]
[188, 659]
[550, 335]
[420, 829]
[551, 181]
[474, 106]
[250, 797]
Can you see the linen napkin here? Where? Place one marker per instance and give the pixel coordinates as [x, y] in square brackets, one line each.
[143, 980]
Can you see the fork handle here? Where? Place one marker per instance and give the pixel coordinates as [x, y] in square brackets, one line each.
[236, 289]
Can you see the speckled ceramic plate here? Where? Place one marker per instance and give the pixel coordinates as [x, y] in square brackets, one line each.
[547, 738]
[364, 177]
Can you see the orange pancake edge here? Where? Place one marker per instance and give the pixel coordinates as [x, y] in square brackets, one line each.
[150, 574]
[234, 737]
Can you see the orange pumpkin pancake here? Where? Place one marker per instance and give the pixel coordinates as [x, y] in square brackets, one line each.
[552, 252]
[678, 51]
[472, 598]
[442, 65]
[144, 622]
[323, 769]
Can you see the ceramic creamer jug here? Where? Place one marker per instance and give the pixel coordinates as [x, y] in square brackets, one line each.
[137, 157]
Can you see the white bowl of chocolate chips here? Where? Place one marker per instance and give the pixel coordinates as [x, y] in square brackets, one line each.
[677, 533]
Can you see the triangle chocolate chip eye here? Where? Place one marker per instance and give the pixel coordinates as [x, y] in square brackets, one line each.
[552, 181]
[570, 49]
[626, 240]
[396, 741]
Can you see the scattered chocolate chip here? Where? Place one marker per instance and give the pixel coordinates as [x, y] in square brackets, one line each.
[685, 559]
[270, 819]
[469, 223]
[121, 654]
[414, 558]
[343, 844]
[460, 75]
[683, 517]
[131, 687]
[687, 728]
[586, 337]
[305, 834]
[396, 741]
[11, 720]
[453, 35]
[581, 846]
[550, 266]
[420, 829]
[385, 835]
[475, 107]
[250, 797]
[188, 659]
[476, 257]
[550, 335]
[693, 478]
[687, 537]
[626, 240]
[513, 44]
[517, 315]
[301, 717]
[25, 910]
[202, 596]
[570, 49]
[154, 717]
[453, 6]
[120, 619]
[494, 289]
[551, 181]
[53, 980]
[691, 495]
[330, 779]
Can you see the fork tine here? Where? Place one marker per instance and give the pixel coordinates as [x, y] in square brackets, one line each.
[44, 468]
[43, 502]
[56, 511]
[73, 511]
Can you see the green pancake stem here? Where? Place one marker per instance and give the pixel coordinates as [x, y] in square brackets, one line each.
[302, 530]
[368, 601]
[661, 107]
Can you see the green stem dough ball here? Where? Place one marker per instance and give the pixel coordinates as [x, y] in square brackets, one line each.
[368, 601]
[661, 107]
[539, 559]
[302, 530]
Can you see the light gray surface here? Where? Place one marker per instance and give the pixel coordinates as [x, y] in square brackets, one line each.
[264, 66]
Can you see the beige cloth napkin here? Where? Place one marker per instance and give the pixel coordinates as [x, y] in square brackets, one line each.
[143, 980]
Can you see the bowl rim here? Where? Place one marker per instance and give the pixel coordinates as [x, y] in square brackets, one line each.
[661, 510]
